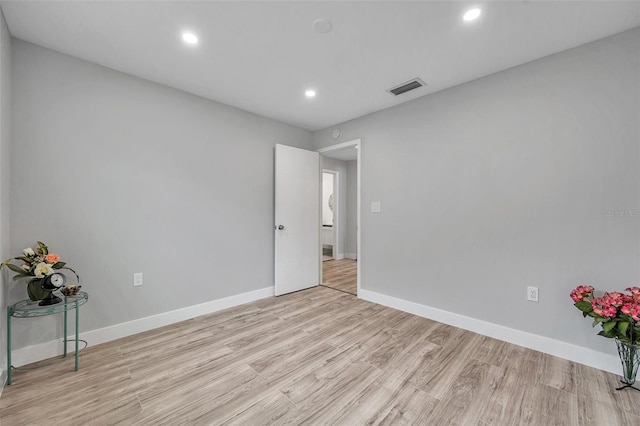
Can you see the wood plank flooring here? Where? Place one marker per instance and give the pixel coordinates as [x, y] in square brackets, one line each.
[340, 275]
[315, 357]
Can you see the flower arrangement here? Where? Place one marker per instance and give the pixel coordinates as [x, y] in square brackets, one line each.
[36, 263]
[618, 313]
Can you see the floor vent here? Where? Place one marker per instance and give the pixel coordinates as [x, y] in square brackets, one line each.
[406, 87]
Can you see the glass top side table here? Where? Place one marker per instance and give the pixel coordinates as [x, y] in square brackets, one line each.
[30, 309]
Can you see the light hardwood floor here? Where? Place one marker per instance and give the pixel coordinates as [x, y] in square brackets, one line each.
[340, 275]
[315, 357]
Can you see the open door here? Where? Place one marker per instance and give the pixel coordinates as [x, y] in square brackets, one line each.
[297, 214]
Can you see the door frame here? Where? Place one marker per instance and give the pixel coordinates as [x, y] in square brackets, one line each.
[357, 143]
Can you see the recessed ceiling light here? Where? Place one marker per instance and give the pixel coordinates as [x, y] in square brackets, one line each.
[310, 93]
[322, 25]
[472, 14]
[189, 38]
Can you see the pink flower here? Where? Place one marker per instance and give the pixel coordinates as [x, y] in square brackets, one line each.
[602, 307]
[614, 298]
[610, 311]
[633, 290]
[581, 292]
[631, 310]
[52, 258]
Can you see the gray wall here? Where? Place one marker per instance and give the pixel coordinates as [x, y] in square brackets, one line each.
[121, 175]
[505, 182]
[341, 167]
[352, 209]
[5, 135]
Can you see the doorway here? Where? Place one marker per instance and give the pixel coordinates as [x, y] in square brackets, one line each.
[330, 209]
[341, 271]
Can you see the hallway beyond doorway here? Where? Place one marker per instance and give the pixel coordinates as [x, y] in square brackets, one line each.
[340, 275]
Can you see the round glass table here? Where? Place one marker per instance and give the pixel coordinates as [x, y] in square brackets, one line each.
[31, 309]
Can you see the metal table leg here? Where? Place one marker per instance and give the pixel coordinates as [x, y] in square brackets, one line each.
[9, 345]
[77, 330]
[65, 329]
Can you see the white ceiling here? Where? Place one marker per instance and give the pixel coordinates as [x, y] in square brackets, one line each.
[262, 56]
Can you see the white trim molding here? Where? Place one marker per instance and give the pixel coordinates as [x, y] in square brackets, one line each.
[29, 354]
[564, 350]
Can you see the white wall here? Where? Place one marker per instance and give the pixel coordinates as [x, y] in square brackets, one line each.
[505, 182]
[352, 210]
[121, 175]
[5, 135]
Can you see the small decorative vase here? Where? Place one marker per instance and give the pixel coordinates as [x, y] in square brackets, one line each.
[630, 359]
[35, 291]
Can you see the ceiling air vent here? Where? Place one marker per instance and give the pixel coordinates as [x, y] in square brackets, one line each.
[405, 87]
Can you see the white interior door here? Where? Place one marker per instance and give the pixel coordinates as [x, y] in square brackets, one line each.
[297, 214]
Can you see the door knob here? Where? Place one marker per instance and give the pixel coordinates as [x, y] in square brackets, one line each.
[281, 227]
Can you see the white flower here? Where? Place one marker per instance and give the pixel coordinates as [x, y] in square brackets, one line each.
[28, 252]
[25, 266]
[43, 270]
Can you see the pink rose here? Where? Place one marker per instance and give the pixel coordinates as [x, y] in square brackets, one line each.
[610, 311]
[581, 292]
[52, 258]
[631, 310]
[615, 298]
[602, 307]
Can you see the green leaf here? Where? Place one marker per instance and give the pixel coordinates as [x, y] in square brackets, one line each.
[610, 333]
[58, 265]
[35, 291]
[622, 327]
[19, 276]
[43, 248]
[597, 319]
[27, 259]
[625, 317]
[584, 306]
[608, 326]
[15, 268]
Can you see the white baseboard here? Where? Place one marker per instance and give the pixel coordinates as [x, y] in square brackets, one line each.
[575, 353]
[339, 256]
[351, 256]
[579, 354]
[53, 348]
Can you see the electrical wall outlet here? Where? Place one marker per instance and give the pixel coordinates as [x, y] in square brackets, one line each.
[532, 294]
[137, 279]
[375, 207]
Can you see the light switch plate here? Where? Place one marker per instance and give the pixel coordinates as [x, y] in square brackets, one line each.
[375, 207]
[137, 279]
[532, 294]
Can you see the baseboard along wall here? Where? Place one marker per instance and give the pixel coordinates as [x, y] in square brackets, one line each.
[53, 348]
[564, 350]
[579, 354]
